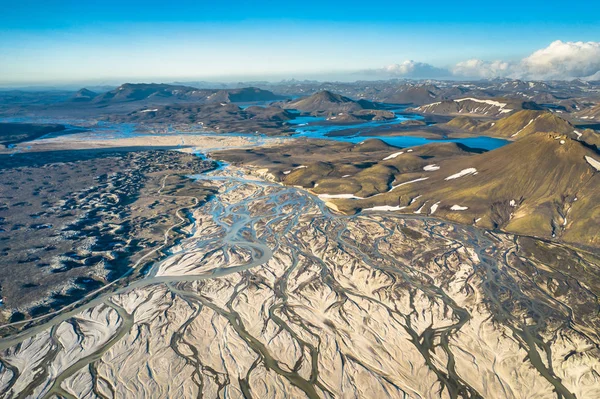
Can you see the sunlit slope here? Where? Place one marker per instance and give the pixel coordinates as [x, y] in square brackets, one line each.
[544, 184]
[540, 185]
[514, 126]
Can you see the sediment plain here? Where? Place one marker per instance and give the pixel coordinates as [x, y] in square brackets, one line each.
[272, 295]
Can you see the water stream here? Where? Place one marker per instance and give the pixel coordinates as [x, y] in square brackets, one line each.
[324, 281]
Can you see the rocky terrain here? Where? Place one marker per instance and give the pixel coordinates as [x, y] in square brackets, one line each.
[72, 221]
[273, 296]
[297, 267]
[222, 117]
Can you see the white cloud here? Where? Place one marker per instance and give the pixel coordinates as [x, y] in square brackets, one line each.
[414, 69]
[563, 60]
[481, 69]
[560, 60]
[410, 69]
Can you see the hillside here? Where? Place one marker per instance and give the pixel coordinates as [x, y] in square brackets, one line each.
[414, 95]
[590, 114]
[516, 125]
[217, 117]
[524, 123]
[475, 106]
[326, 102]
[244, 95]
[84, 95]
[544, 184]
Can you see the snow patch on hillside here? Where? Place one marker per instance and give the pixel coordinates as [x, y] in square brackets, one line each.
[339, 196]
[498, 104]
[385, 208]
[394, 155]
[524, 127]
[464, 172]
[593, 162]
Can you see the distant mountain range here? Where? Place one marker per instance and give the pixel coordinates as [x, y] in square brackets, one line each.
[130, 92]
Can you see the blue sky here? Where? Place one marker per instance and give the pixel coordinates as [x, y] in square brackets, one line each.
[62, 41]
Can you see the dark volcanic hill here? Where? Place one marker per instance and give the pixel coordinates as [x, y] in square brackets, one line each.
[84, 95]
[414, 95]
[143, 91]
[244, 95]
[165, 92]
[326, 102]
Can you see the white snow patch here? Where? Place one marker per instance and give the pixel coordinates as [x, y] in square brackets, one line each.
[412, 201]
[150, 110]
[490, 102]
[434, 208]
[578, 134]
[459, 208]
[524, 127]
[394, 155]
[385, 208]
[421, 208]
[464, 172]
[408, 182]
[430, 168]
[287, 172]
[595, 163]
[346, 176]
[339, 196]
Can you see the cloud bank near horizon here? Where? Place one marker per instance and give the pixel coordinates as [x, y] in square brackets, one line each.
[559, 61]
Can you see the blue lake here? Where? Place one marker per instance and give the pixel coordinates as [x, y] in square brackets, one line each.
[304, 126]
[316, 128]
